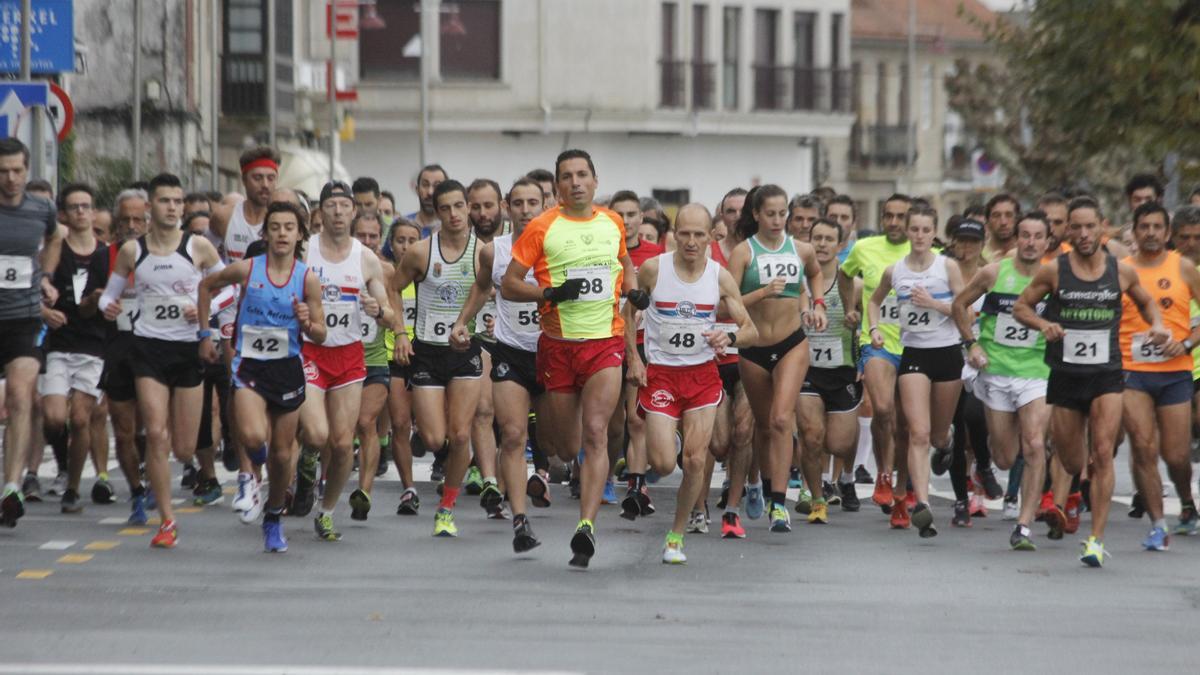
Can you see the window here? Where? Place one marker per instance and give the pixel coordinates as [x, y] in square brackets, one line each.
[835, 40]
[905, 110]
[244, 21]
[381, 52]
[470, 40]
[671, 94]
[881, 93]
[803, 33]
[927, 97]
[768, 89]
[669, 11]
[702, 70]
[731, 30]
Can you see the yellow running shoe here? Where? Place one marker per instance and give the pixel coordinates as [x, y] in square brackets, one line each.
[443, 524]
[1093, 553]
[819, 513]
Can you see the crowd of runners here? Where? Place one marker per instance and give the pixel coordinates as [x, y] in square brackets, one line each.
[538, 333]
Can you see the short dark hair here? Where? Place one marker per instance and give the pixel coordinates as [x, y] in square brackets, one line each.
[71, 189]
[846, 200]
[1185, 216]
[1000, 198]
[1148, 208]
[429, 168]
[899, 197]
[401, 221]
[257, 153]
[625, 196]
[365, 184]
[194, 197]
[360, 217]
[540, 176]
[187, 220]
[1144, 180]
[287, 207]
[735, 192]
[480, 183]
[446, 187]
[921, 209]
[1051, 199]
[387, 194]
[976, 211]
[168, 180]
[808, 201]
[1036, 214]
[1084, 202]
[828, 222]
[527, 182]
[574, 153]
[39, 185]
[13, 146]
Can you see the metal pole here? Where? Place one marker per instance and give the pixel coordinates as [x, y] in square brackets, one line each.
[214, 113]
[36, 142]
[910, 133]
[137, 90]
[333, 130]
[427, 10]
[271, 116]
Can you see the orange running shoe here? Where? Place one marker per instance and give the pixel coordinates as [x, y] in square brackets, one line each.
[900, 519]
[1057, 521]
[910, 500]
[1045, 507]
[883, 489]
[1072, 512]
[167, 536]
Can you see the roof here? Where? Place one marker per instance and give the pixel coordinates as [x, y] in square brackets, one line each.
[937, 20]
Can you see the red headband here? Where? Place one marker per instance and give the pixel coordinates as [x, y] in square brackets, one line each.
[260, 163]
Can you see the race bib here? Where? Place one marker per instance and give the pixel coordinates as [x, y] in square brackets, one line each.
[488, 311]
[889, 312]
[1011, 333]
[343, 317]
[165, 311]
[727, 328]
[919, 319]
[682, 338]
[1086, 347]
[16, 271]
[826, 351]
[78, 283]
[523, 317]
[265, 343]
[437, 326]
[1144, 352]
[369, 329]
[599, 281]
[775, 265]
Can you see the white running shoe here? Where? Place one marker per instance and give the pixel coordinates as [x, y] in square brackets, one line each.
[243, 500]
[251, 514]
[1011, 510]
[697, 523]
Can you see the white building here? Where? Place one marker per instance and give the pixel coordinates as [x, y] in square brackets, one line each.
[679, 99]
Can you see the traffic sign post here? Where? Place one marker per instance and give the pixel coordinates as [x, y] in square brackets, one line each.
[52, 36]
[16, 98]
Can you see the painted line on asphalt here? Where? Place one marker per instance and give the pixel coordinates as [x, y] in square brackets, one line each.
[75, 558]
[133, 531]
[102, 545]
[57, 545]
[113, 521]
[34, 574]
[209, 669]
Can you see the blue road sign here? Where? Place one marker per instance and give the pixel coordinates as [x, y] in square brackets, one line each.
[52, 36]
[15, 98]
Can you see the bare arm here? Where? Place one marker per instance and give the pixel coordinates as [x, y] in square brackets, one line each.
[1024, 310]
[963, 314]
[1146, 305]
[514, 287]
[479, 294]
[377, 287]
[314, 326]
[876, 302]
[816, 285]
[747, 333]
[850, 300]
[647, 277]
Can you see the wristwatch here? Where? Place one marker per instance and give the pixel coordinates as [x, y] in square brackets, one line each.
[966, 344]
[1188, 344]
[203, 333]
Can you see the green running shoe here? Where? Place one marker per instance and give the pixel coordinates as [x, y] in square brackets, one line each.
[323, 524]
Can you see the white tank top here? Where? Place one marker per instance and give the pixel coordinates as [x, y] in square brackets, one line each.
[679, 313]
[516, 322]
[342, 285]
[239, 233]
[923, 327]
[443, 291]
[166, 287]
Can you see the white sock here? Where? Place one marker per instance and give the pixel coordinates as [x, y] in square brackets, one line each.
[847, 477]
[864, 456]
[1161, 522]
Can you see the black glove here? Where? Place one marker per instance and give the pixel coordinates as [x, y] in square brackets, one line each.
[569, 290]
[639, 298]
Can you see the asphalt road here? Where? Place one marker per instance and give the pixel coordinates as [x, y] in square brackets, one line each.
[86, 594]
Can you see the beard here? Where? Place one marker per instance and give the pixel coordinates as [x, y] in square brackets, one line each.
[485, 227]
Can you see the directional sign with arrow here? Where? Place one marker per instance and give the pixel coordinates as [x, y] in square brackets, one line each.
[15, 98]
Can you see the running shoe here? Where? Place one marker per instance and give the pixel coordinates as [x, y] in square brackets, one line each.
[306, 478]
[31, 488]
[323, 524]
[538, 490]
[1093, 553]
[473, 483]
[610, 492]
[910, 499]
[137, 510]
[167, 537]
[804, 501]
[986, 478]
[1071, 510]
[190, 476]
[794, 480]
[673, 550]
[273, 539]
[940, 460]
[830, 493]
[1189, 522]
[437, 472]
[883, 491]
[70, 502]
[11, 509]
[862, 476]
[523, 539]
[620, 469]
[207, 492]
[1157, 540]
[1012, 510]
[978, 510]
[419, 449]
[575, 489]
[1085, 495]
[360, 505]
[583, 544]
[1056, 520]
[1045, 506]
[962, 514]
[723, 501]
[697, 523]
[922, 517]
[102, 491]
[151, 500]
[780, 521]
[1019, 539]
[899, 519]
[255, 510]
[381, 469]
[731, 526]
[1137, 506]
[850, 501]
[490, 498]
[410, 503]
[636, 503]
[59, 486]
[443, 524]
[819, 514]
[755, 506]
[500, 513]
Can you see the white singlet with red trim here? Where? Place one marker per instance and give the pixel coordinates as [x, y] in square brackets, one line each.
[679, 314]
[239, 233]
[342, 286]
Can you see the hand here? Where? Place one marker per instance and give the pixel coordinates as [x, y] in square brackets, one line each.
[922, 298]
[638, 298]
[403, 351]
[977, 357]
[774, 287]
[303, 316]
[54, 318]
[1053, 332]
[718, 340]
[190, 314]
[370, 306]
[570, 289]
[852, 320]
[817, 319]
[208, 353]
[636, 373]
[113, 310]
[1173, 348]
[49, 292]
[1159, 335]
[876, 338]
[460, 337]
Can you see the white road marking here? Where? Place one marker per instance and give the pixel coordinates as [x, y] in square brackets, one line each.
[57, 545]
[209, 669]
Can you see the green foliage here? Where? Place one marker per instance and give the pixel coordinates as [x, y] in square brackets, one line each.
[109, 175]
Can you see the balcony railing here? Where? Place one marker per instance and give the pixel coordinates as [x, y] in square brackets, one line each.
[821, 90]
[244, 85]
[880, 145]
[671, 75]
[703, 85]
[770, 87]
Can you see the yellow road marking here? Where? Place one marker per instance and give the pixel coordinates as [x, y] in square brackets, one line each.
[133, 531]
[190, 509]
[75, 558]
[34, 574]
[102, 546]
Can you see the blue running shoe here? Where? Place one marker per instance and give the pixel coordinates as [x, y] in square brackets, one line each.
[273, 539]
[137, 510]
[1189, 522]
[794, 479]
[610, 493]
[1157, 540]
[754, 502]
